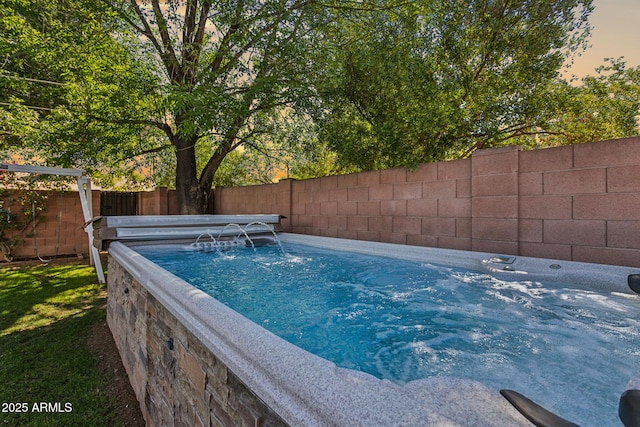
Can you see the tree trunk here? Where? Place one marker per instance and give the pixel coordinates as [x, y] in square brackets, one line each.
[194, 193]
[192, 198]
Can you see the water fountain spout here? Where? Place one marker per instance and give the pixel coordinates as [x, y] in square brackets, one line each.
[205, 246]
[269, 228]
[241, 231]
[219, 243]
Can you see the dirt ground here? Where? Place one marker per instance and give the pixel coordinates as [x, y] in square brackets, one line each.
[119, 389]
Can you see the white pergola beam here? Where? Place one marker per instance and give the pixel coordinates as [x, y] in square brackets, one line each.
[84, 191]
[41, 169]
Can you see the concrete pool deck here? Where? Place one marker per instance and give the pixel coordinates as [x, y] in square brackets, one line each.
[199, 338]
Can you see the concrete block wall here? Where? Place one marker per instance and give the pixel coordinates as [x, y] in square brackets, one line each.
[582, 202]
[160, 201]
[176, 379]
[429, 206]
[256, 199]
[579, 202]
[59, 231]
[495, 201]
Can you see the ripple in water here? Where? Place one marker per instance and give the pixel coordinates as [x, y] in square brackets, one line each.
[571, 350]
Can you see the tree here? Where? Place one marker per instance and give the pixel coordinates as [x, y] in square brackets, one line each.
[291, 149]
[208, 77]
[604, 106]
[224, 68]
[67, 83]
[190, 81]
[437, 80]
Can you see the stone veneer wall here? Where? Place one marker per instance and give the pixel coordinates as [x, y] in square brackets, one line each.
[578, 202]
[176, 379]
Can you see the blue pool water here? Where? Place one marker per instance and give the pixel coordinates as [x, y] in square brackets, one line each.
[572, 350]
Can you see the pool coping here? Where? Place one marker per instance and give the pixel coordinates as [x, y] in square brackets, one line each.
[305, 389]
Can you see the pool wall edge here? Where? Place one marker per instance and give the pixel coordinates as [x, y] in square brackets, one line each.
[596, 276]
[284, 383]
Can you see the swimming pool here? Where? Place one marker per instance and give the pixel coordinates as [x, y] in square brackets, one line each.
[499, 286]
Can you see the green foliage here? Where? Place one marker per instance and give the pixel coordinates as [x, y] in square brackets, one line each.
[291, 150]
[436, 80]
[75, 96]
[604, 106]
[164, 93]
[221, 70]
[8, 221]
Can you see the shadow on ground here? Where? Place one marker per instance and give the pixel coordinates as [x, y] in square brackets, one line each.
[59, 365]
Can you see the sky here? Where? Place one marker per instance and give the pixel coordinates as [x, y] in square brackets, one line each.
[616, 32]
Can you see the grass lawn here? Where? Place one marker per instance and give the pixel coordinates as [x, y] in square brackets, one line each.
[49, 373]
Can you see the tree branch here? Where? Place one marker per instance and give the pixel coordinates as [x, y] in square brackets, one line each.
[147, 29]
[260, 34]
[189, 22]
[226, 39]
[227, 146]
[202, 23]
[514, 132]
[208, 173]
[160, 125]
[124, 16]
[357, 6]
[192, 38]
[152, 150]
[169, 57]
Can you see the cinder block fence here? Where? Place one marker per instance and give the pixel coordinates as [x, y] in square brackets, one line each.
[59, 227]
[579, 202]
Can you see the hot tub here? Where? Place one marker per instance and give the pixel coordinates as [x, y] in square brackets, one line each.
[192, 359]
